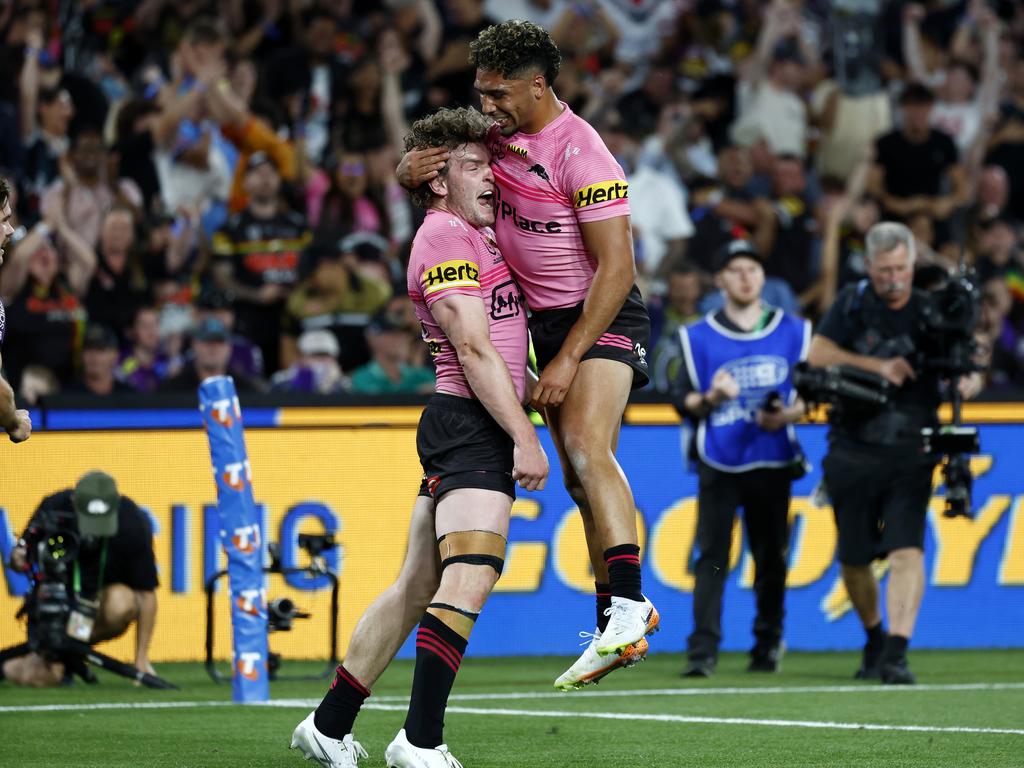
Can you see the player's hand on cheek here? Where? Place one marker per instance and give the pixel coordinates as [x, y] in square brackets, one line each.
[555, 381]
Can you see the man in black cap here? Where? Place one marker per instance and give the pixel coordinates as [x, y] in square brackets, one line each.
[246, 358]
[112, 581]
[257, 256]
[99, 363]
[736, 385]
[210, 356]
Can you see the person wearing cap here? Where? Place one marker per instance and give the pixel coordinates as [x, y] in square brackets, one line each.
[115, 568]
[99, 365]
[257, 256]
[317, 370]
[246, 358]
[390, 371]
[210, 356]
[736, 385]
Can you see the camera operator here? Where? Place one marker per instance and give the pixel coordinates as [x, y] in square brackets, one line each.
[112, 580]
[738, 386]
[876, 471]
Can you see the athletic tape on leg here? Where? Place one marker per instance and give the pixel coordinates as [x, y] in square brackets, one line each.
[473, 548]
[456, 619]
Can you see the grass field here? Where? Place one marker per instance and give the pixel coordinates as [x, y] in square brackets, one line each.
[968, 711]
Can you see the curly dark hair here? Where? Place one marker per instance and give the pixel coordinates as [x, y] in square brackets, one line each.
[5, 191]
[515, 47]
[445, 128]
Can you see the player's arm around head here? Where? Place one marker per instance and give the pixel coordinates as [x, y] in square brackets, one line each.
[464, 322]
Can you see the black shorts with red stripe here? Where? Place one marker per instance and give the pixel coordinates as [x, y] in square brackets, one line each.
[460, 445]
[626, 340]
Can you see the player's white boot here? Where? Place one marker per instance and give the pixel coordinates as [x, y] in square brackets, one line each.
[628, 621]
[401, 754]
[589, 668]
[323, 750]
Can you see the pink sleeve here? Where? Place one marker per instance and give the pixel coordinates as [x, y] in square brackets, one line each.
[447, 265]
[595, 183]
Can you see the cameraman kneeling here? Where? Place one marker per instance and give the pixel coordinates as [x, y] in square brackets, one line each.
[876, 472]
[114, 566]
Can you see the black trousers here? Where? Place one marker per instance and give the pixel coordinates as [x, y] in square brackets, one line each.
[764, 495]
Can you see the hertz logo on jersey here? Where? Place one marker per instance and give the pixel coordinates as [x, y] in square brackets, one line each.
[601, 192]
[457, 273]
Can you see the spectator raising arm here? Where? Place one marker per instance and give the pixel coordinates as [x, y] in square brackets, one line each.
[824, 291]
[28, 83]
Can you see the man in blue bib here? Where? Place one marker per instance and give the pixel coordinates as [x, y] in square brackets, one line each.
[737, 385]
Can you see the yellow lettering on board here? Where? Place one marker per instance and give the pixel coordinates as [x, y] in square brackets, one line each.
[672, 542]
[525, 560]
[1011, 569]
[571, 559]
[958, 539]
[814, 547]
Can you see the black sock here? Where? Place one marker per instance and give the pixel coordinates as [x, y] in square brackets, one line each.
[604, 602]
[876, 635]
[624, 571]
[439, 652]
[896, 646]
[337, 712]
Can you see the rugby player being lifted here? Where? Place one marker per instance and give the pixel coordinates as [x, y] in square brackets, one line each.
[563, 225]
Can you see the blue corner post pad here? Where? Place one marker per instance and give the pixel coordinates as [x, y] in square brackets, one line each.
[240, 536]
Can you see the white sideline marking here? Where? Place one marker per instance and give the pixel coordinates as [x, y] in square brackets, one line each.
[689, 719]
[515, 695]
[715, 720]
[588, 693]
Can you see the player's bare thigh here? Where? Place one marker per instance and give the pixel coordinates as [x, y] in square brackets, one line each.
[591, 414]
[473, 509]
[422, 565]
[570, 479]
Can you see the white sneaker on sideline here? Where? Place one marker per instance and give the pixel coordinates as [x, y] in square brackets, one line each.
[590, 668]
[323, 750]
[401, 754]
[628, 621]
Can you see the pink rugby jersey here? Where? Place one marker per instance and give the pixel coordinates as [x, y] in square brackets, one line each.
[548, 183]
[451, 257]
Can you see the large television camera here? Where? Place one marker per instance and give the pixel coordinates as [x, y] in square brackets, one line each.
[59, 620]
[947, 349]
[52, 547]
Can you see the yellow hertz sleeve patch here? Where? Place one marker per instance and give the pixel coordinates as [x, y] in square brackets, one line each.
[601, 192]
[457, 273]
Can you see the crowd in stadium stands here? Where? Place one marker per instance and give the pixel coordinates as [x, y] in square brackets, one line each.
[206, 187]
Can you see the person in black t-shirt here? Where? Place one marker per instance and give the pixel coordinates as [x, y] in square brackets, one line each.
[115, 567]
[917, 168]
[211, 356]
[788, 236]
[876, 474]
[257, 256]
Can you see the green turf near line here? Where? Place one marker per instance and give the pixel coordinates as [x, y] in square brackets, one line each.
[249, 736]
